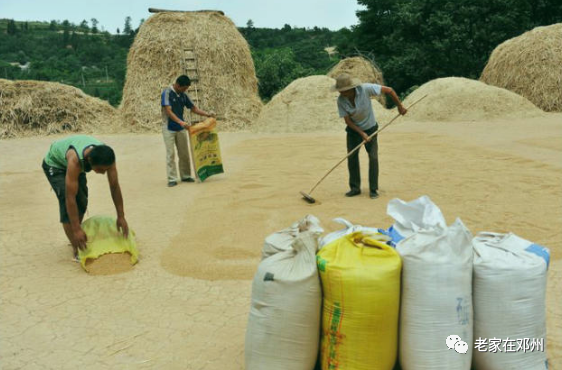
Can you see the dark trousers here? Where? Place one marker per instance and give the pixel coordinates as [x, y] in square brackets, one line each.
[372, 147]
[57, 179]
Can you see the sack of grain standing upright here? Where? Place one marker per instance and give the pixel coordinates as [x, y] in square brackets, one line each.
[361, 298]
[284, 322]
[282, 240]
[509, 286]
[436, 286]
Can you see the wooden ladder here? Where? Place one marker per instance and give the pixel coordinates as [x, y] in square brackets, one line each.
[191, 69]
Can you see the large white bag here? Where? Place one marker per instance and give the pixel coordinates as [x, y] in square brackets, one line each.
[284, 323]
[509, 303]
[282, 240]
[436, 286]
[349, 229]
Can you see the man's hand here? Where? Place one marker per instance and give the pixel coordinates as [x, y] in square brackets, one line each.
[402, 110]
[123, 226]
[79, 239]
[184, 124]
[365, 137]
[212, 114]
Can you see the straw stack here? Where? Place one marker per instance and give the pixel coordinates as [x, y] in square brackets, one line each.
[42, 108]
[531, 66]
[227, 80]
[362, 69]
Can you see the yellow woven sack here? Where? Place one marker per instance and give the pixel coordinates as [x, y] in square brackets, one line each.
[104, 238]
[204, 141]
[361, 299]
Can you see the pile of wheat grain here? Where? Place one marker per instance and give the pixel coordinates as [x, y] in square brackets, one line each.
[462, 99]
[308, 104]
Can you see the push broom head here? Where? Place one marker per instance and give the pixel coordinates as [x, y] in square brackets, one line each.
[308, 198]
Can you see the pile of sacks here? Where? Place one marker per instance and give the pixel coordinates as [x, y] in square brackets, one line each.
[421, 291]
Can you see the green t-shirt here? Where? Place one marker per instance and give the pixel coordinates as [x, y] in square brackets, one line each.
[56, 157]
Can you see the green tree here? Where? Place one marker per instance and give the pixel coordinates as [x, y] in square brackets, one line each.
[75, 40]
[275, 69]
[22, 58]
[12, 29]
[414, 41]
[83, 27]
[66, 33]
[94, 25]
[127, 29]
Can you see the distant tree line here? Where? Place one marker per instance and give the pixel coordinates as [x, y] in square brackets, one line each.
[78, 55]
[411, 41]
[414, 41]
[283, 55]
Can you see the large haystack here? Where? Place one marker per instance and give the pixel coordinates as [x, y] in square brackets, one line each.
[227, 79]
[42, 108]
[531, 66]
[307, 105]
[461, 99]
[361, 68]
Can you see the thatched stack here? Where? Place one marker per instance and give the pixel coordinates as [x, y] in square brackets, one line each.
[531, 66]
[461, 99]
[227, 79]
[42, 108]
[307, 105]
[362, 69]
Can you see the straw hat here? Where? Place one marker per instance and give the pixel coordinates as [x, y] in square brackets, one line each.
[345, 82]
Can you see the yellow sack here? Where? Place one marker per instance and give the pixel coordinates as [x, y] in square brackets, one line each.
[204, 142]
[104, 238]
[361, 299]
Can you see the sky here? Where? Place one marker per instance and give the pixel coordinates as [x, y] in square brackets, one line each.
[111, 14]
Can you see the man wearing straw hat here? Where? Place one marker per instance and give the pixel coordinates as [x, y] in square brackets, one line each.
[174, 99]
[354, 106]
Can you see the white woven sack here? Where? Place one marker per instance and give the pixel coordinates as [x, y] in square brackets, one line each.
[509, 288]
[436, 287]
[282, 240]
[349, 229]
[284, 323]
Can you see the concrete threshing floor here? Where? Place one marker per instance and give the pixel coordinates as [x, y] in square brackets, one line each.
[185, 305]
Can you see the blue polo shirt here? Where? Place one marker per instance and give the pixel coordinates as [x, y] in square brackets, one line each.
[177, 102]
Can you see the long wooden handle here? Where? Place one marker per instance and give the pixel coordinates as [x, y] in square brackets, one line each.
[362, 143]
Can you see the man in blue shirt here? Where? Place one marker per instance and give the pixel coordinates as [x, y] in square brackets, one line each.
[354, 106]
[174, 127]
